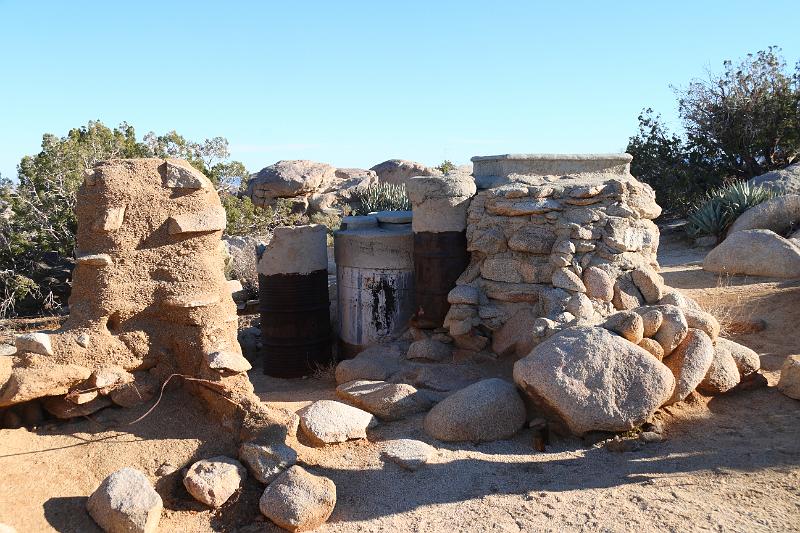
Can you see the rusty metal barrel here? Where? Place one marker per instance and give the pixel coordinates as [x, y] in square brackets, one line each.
[439, 259]
[440, 244]
[294, 303]
[375, 279]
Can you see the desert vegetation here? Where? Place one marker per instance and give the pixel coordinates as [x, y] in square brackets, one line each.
[736, 124]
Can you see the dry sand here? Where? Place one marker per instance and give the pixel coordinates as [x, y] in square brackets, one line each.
[731, 463]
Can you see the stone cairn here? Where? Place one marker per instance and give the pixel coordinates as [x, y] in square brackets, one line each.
[553, 240]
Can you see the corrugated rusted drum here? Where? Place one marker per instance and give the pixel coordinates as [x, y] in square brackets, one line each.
[295, 323]
[439, 259]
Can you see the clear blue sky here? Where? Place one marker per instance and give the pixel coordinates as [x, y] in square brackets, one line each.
[355, 83]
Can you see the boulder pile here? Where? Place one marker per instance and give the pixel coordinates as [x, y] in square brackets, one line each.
[613, 377]
[765, 239]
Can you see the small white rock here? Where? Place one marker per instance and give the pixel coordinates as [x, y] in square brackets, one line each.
[228, 360]
[99, 260]
[34, 342]
[83, 340]
[213, 481]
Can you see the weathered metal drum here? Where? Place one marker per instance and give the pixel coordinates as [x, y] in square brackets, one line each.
[294, 304]
[375, 279]
[439, 259]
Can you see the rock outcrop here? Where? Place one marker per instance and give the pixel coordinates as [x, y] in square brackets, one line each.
[784, 181]
[310, 185]
[149, 298]
[779, 214]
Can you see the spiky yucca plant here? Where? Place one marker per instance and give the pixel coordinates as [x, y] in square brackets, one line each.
[381, 197]
[723, 206]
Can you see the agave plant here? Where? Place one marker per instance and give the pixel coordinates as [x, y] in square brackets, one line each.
[381, 197]
[723, 206]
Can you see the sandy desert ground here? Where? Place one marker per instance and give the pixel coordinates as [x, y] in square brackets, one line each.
[730, 463]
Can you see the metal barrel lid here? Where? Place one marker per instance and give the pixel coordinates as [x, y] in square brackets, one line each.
[393, 217]
[358, 222]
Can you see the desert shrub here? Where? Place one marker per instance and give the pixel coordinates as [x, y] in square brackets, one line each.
[737, 124]
[380, 197]
[332, 221]
[722, 207]
[446, 167]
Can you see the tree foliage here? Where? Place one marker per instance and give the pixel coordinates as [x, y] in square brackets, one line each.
[737, 125]
[37, 214]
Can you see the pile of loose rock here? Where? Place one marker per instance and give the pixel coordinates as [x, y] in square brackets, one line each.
[615, 376]
[294, 498]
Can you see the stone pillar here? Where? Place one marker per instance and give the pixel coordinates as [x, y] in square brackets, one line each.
[149, 299]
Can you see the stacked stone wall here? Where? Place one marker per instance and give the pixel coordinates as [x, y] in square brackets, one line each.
[547, 251]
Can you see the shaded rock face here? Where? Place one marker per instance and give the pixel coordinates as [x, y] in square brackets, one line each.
[563, 246]
[266, 461]
[594, 380]
[755, 252]
[484, 411]
[387, 401]
[148, 292]
[789, 382]
[784, 181]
